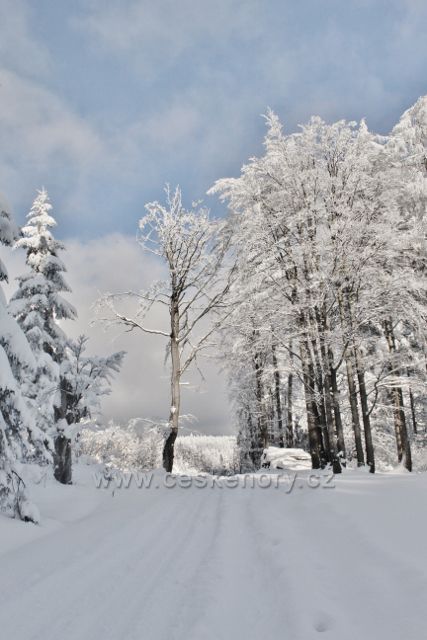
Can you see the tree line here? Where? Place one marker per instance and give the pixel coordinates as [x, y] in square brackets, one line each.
[311, 293]
[329, 234]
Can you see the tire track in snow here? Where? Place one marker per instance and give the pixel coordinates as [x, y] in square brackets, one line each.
[95, 578]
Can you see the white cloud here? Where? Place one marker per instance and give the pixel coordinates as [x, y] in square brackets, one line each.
[19, 50]
[38, 134]
[175, 124]
[37, 124]
[158, 33]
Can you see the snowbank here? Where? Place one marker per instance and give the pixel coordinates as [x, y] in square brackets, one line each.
[294, 459]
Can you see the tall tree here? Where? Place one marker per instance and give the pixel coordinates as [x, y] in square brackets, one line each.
[193, 248]
[19, 435]
[85, 379]
[38, 306]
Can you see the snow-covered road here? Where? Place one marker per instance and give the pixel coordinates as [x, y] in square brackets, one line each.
[218, 564]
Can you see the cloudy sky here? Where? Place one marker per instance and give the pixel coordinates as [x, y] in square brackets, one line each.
[103, 101]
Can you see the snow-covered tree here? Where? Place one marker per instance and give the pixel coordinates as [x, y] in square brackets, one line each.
[19, 436]
[407, 154]
[329, 232]
[84, 380]
[192, 246]
[38, 306]
[87, 379]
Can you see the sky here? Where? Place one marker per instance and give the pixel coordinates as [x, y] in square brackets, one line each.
[103, 102]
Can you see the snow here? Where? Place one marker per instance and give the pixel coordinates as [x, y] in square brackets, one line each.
[219, 563]
[277, 458]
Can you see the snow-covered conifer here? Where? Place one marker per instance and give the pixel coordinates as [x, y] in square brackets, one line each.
[19, 436]
[38, 305]
[87, 379]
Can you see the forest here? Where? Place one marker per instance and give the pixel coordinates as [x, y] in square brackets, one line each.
[311, 293]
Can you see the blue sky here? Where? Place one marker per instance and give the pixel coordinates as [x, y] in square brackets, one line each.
[104, 101]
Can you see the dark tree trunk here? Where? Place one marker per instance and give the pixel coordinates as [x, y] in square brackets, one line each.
[335, 427]
[370, 454]
[400, 422]
[262, 418]
[337, 413]
[325, 400]
[347, 319]
[289, 418]
[277, 397]
[169, 445]
[355, 420]
[335, 461]
[346, 323]
[62, 459]
[168, 450]
[413, 412]
[313, 423]
[403, 444]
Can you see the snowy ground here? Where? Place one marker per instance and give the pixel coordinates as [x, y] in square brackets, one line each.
[218, 563]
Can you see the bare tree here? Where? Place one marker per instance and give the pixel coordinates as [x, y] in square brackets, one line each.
[193, 248]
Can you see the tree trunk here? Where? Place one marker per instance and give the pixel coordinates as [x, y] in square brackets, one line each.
[370, 454]
[277, 385]
[347, 319]
[324, 388]
[336, 465]
[412, 405]
[289, 419]
[62, 459]
[402, 438]
[401, 428]
[337, 413]
[314, 430]
[335, 430]
[169, 446]
[262, 418]
[355, 420]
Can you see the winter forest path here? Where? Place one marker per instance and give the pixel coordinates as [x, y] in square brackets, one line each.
[348, 562]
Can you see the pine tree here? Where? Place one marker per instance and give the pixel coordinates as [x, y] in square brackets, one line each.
[38, 305]
[87, 379]
[19, 436]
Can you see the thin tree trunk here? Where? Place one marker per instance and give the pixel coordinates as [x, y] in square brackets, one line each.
[314, 431]
[169, 446]
[289, 420]
[345, 316]
[413, 412]
[370, 454]
[412, 405]
[330, 425]
[360, 374]
[400, 417]
[277, 389]
[324, 388]
[335, 430]
[404, 453]
[355, 420]
[262, 421]
[337, 413]
[319, 409]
